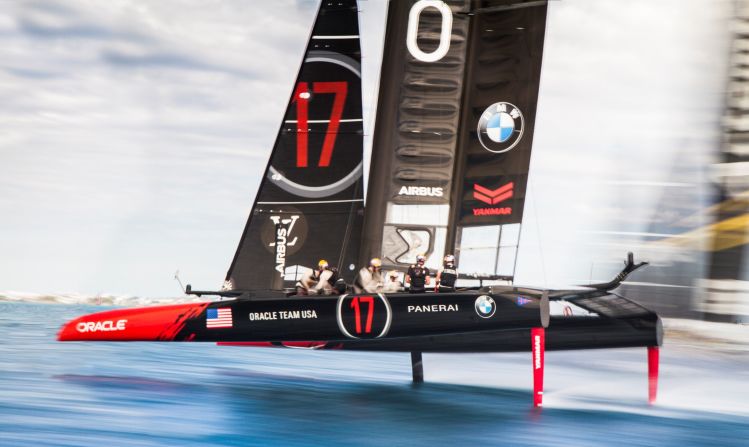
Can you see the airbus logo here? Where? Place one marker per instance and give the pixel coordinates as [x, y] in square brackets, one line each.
[284, 228]
[500, 127]
[423, 191]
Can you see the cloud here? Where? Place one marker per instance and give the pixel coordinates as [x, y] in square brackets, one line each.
[55, 21]
[71, 30]
[165, 59]
[31, 73]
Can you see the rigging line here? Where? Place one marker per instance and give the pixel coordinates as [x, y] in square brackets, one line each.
[368, 125]
[538, 231]
[346, 236]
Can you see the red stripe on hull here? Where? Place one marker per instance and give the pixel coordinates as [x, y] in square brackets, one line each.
[158, 323]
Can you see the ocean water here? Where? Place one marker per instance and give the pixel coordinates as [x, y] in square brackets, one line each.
[185, 394]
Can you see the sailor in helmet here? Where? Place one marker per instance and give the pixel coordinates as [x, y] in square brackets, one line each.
[447, 275]
[418, 275]
[369, 279]
[392, 282]
[317, 281]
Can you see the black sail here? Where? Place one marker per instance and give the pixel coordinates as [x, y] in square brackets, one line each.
[496, 134]
[416, 132]
[452, 143]
[310, 202]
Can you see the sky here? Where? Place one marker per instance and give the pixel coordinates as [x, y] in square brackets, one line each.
[133, 134]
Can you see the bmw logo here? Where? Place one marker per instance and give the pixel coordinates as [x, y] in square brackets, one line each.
[500, 127]
[485, 306]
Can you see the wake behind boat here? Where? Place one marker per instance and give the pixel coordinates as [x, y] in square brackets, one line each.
[450, 162]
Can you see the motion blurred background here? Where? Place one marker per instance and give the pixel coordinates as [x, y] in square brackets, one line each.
[133, 136]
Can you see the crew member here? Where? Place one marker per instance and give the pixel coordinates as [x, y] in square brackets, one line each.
[447, 275]
[418, 275]
[392, 283]
[330, 283]
[369, 279]
[317, 281]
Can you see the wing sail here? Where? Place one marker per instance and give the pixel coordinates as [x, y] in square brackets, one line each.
[496, 134]
[452, 144]
[310, 202]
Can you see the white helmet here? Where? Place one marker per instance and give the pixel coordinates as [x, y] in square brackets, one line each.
[449, 259]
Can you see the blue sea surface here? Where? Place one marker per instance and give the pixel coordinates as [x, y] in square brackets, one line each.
[193, 394]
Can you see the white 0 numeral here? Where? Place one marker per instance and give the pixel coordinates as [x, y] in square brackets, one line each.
[413, 29]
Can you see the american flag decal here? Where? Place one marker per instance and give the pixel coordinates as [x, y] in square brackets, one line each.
[216, 318]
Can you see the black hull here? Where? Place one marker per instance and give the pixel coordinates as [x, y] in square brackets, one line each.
[471, 321]
[561, 334]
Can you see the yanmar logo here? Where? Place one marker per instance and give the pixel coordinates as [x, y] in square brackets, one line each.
[284, 227]
[537, 352]
[493, 197]
[423, 191]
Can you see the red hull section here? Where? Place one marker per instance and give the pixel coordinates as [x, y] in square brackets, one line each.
[160, 323]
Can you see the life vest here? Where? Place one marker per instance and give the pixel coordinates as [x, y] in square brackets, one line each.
[448, 276]
[333, 277]
[418, 277]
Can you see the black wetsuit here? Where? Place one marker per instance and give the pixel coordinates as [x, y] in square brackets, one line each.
[418, 275]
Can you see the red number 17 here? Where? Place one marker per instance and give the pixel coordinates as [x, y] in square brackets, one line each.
[302, 97]
[357, 312]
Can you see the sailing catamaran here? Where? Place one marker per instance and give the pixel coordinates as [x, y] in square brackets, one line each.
[452, 144]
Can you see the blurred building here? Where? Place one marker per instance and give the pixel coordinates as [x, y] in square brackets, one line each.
[726, 288]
